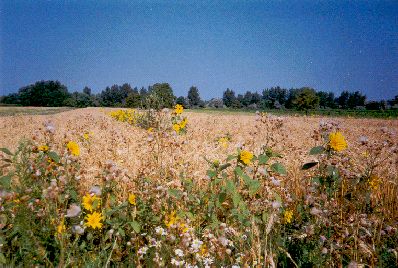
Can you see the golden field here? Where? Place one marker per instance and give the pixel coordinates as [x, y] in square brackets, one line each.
[282, 207]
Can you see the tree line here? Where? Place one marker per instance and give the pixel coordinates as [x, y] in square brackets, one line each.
[161, 95]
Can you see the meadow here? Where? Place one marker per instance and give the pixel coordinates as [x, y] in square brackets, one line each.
[99, 187]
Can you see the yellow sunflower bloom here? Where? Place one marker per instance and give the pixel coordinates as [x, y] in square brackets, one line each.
[176, 128]
[337, 141]
[43, 148]
[132, 199]
[90, 203]
[288, 216]
[246, 157]
[178, 109]
[73, 148]
[94, 220]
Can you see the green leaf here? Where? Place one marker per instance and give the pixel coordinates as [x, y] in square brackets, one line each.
[262, 159]
[5, 181]
[121, 232]
[278, 168]
[211, 173]
[238, 171]
[265, 217]
[222, 197]
[317, 150]
[230, 157]
[175, 193]
[136, 226]
[54, 156]
[309, 165]
[231, 187]
[6, 151]
[254, 186]
[3, 259]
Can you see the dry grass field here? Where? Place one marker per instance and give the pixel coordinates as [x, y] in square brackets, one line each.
[169, 159]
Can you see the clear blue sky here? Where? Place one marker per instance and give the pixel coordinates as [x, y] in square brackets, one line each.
[243, 45]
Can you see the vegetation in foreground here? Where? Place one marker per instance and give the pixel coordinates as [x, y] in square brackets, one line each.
[244, 215]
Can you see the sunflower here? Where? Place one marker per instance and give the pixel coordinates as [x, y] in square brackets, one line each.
[337, 141]
[94, 220]
[246, 157]
[73, 148]
[90, 203]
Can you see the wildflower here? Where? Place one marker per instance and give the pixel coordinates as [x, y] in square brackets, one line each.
[172, 219]
[49, 127]
[374, 182]
[160, 231]
[223, 142]
[150, 129]
[73, 211]
[73, 148]
[208, 261]
[246, 157]
[91, 202]
[203, 250]
[196, 244]
[94, 220]
[176, 128]
[77, 229]
[142, 251]
[95, 190]
[86, 136]
[183, 123]
[177, 263]
[132, 199]
[179, 252]
[288, 216]
[61, 228]
[337, 141]
[178, 109]
[184, 228]
[43, 148]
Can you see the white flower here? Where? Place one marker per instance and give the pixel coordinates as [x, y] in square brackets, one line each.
[77, 229]
[177, 263]
[142, 251]
[223, 240]
[235, 266]
[160, 231]
[276, 204]
[196, 244]
[73, 211]
[95, 190]
[179, 252]
[49, 127]
[275, 181]
[208, 261]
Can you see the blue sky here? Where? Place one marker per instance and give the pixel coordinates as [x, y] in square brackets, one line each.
[243, 45]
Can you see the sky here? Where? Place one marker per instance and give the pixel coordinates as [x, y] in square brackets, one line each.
[214, 45]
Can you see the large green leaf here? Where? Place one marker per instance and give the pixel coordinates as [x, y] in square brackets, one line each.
[278, 168]
[317, 150]
[309, 165]
[262, 159]
[6, 151]
[136, 226]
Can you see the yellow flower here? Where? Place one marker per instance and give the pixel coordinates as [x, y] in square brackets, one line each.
[337, 141]
[43, 148]
[183, 227]
[246, 157]
[183, 123]
[374, 182]
[90, 203]
[86, 136]
[176, 128]
[132, 199]
[288, 216]
[94, 220]
[178, 109]
[223, 142]
[171, 219]
[73, 148]
[150, 129]
[203, 250]
[61, 228]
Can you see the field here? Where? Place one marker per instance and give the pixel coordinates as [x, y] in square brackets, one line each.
[16, 110]
[102, 187]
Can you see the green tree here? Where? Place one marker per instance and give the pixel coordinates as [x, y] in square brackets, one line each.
[163, 94]
[306, 99]
[133, 99]
[182, 101]
[194, 97]
[44, 93]
[229, 98]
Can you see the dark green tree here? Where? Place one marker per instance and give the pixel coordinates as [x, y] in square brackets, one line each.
[164, 93]
[306, 99]
[43, 93]
[229, 98]
[182, 101]
[194, 97]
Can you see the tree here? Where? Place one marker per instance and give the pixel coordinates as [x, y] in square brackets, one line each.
[356, 99]
[43, 93]
[194, 97]
[87, 90]
[164, 94]
[306, 99]
[229, 98]
[343, 99]
[133, 99]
